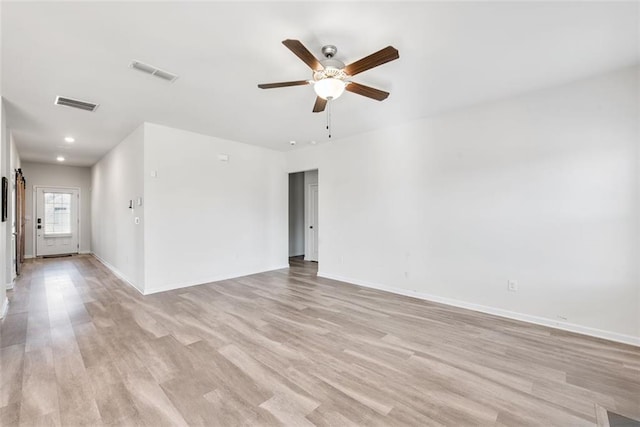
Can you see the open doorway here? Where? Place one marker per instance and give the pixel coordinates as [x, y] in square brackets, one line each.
[303, 218]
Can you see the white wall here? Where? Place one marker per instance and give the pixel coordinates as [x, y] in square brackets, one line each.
[15, 156]
[4, 256]
[6, 278]
[9, 161]
[541, 189]
[52, 175]
[116, 239]
[206, 219]
[296, 214]
[15, 164]
[637, 201]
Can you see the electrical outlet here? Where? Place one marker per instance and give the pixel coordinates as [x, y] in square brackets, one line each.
[512, 286]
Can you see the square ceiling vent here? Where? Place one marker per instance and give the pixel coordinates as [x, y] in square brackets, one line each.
[154, 71]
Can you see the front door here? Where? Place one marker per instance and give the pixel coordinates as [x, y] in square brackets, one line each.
[56, 221]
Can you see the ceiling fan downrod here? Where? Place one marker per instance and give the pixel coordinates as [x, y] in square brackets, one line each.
[329, 51]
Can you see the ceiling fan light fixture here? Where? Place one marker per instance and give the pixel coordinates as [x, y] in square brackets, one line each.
[331, 76]
[329, 88]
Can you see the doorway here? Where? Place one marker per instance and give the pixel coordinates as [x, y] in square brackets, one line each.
[57, 218]
[303, 216]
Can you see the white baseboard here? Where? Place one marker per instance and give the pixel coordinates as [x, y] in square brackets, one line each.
[117, 273]
[5, 308]
[565, 326]
[10, 285]
[79, 253]
[180, 285]
[154, 290]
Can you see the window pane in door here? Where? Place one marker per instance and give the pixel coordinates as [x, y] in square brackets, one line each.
[57, 213]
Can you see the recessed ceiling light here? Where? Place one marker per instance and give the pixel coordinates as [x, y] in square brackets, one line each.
[292, 143]
[69, 139]
[60, 159]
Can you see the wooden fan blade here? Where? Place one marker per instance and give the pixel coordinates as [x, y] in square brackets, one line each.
[283, 84]
[369, 92]
[303, 53]
[382, 56]
[319, 105]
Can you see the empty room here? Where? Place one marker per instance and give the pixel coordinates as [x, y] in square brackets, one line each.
[307, 213]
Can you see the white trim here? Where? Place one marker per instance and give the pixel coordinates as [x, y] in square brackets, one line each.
[149, 291]
[543, 321]
[10, 285]
[14, 247]
[30, 256]
[117, 273]
[34, 194]
[308, 250]
[5, 308]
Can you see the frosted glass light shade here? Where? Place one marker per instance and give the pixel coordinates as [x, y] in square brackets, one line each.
[329, 88]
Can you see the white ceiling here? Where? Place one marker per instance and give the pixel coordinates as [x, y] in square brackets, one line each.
[452, 54]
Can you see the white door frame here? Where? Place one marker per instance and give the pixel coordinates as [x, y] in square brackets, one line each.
[309, 215]
[35, 214]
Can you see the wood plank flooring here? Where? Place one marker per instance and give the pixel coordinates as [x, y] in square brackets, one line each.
[79, 347]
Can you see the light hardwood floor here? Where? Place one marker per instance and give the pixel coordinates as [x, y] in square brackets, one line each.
[79, 347]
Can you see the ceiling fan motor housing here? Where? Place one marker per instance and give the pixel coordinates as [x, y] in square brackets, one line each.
[333, 69]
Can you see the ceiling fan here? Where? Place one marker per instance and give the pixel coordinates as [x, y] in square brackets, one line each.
[331, 77]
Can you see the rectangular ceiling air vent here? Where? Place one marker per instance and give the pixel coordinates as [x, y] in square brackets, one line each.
[154, 71]
[76, 103]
